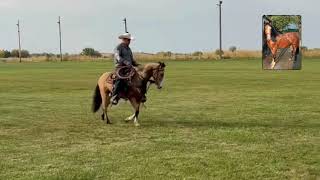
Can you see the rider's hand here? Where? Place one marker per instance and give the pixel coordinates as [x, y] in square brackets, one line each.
[126, 63]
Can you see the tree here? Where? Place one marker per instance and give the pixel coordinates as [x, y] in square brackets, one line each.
[218, 52]
[1, 53]
[281, 22]
[91, 52]
[24, 53]
[7, 54]
[304, 48]
[15, 53]
[233, 48]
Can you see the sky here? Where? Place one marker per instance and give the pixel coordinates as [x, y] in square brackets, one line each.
[158, 25]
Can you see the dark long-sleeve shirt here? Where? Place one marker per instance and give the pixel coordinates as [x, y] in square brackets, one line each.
[123, 55]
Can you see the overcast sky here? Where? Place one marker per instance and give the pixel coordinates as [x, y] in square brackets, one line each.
[158, 25]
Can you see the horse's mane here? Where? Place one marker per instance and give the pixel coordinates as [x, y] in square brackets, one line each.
[147, 68]
[274, 31]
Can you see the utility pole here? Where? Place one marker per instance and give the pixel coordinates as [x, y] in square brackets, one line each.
[125, 25]
[59, 22]
[220, 29]
[19, 38]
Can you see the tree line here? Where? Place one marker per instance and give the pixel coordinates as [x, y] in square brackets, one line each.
[26, 54]
[14, 53]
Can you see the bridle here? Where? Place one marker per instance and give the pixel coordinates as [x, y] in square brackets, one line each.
[155, 74]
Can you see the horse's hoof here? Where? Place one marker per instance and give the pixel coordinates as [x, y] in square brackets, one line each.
[136, 124]
[109, 122]
[127, 120]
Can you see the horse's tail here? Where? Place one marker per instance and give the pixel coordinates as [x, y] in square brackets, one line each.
[298, 50]
[96, 100]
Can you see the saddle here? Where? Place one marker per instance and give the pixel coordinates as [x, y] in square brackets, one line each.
[124, 72]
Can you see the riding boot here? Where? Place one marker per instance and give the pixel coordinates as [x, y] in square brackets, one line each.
[115, 94]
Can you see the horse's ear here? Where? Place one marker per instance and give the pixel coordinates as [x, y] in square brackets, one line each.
[162, 64]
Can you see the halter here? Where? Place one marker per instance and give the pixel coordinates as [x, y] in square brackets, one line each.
[155, 73]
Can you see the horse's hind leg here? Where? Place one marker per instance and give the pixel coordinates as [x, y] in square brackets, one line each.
[105, 103]
[105, 109]
[293, 53]
[274, 56]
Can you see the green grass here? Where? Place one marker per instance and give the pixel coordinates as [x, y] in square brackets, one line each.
[213, 120]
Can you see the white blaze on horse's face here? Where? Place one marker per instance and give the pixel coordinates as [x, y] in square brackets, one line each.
[161, 83]
[158, 75]
[268, 31]
[160, 79]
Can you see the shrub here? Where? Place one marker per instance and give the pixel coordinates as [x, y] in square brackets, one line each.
[218, 52]
[24, 53]
[233, 48]
[90, 52]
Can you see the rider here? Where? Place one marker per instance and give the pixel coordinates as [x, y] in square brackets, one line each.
[122, 57]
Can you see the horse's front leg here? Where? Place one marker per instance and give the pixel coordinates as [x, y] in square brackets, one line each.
[274, 56]
[130, 118]
[136, 106]
[273, 63]
[105, 104]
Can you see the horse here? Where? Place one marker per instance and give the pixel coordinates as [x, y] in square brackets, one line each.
[290, 39]
[150, 73]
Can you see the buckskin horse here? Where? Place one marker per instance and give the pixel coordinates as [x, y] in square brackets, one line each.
[286, 40]
[151, 72]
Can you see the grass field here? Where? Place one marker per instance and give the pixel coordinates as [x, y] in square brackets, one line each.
[213, 120]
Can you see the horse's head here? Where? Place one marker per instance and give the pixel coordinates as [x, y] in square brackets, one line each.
[157, 74]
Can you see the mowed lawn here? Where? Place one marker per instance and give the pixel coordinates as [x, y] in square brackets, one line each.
[212, 120]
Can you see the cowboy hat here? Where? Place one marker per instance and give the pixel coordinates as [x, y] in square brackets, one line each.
[126, 36]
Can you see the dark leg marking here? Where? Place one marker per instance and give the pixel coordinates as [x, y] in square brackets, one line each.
[137, 114]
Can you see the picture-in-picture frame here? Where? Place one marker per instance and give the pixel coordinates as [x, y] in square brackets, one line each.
[281, 42]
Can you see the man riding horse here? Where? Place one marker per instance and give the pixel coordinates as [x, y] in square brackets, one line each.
[123, 57]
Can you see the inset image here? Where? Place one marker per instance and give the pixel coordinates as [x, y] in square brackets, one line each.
[281, 42]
